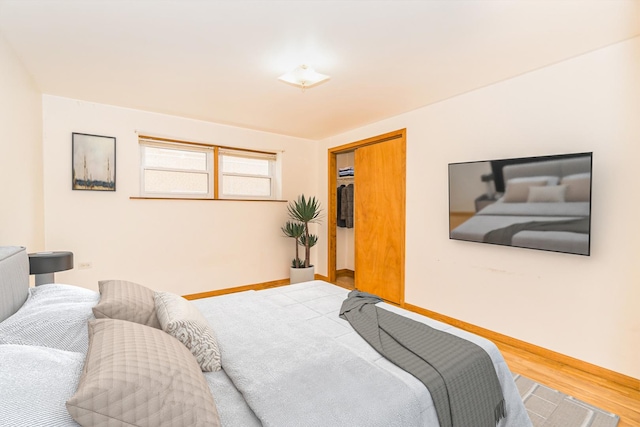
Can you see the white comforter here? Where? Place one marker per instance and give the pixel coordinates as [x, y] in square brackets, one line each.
[297, 363]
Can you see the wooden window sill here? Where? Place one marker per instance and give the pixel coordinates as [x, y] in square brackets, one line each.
[208, 200]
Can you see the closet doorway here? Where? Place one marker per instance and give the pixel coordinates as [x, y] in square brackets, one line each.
[379, 182]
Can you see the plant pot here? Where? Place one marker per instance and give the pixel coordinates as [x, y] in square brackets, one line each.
[299, 275]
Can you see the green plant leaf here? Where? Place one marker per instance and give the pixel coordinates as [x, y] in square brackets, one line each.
[293, 229]
[304, 210]
[312, 239]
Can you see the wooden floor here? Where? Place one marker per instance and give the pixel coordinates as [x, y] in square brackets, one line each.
[587, 387]
[345, 282]
[457, 218]
[623, 401]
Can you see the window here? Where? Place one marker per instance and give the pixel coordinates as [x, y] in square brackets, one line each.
[170, 170]
[246, 174]
[178, 169]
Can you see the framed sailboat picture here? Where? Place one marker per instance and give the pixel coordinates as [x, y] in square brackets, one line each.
[93, 162]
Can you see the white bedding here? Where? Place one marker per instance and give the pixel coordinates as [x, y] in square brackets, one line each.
[55, 316]
[35, 383]
[292, 373]
[232, 408]
[265, 325]
[312, 308]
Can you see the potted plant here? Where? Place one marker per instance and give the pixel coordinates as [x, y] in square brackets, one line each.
[302, 212]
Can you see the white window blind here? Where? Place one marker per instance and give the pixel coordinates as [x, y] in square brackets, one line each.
[175, 170]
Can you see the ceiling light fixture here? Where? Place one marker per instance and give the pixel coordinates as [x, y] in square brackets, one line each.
[304, 77]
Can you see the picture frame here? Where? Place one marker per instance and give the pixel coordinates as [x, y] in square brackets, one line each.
[93, 162]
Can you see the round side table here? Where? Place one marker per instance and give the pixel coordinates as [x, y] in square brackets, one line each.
[45, 264]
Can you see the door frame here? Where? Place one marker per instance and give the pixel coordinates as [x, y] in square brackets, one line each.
[333, 199]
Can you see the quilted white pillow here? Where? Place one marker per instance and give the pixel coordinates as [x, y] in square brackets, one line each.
[182, 320]
[518, 191]
[124, 300]
[135, 375]
[547, 194]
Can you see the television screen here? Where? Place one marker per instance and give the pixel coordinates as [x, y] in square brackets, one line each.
[539, 202]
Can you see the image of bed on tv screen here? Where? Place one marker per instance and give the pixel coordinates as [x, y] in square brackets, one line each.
[536, 202]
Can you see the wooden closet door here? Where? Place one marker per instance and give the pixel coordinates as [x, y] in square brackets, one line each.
[379, 219]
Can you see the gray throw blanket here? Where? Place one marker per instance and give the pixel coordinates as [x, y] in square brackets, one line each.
[459, 374]
[504, 236]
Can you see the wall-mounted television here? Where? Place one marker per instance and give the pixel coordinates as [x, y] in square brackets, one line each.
[541, 202]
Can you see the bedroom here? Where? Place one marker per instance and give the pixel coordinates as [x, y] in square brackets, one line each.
[584, 307]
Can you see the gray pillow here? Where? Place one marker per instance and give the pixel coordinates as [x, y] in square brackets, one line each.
[35, 382]
[124, 300]
[136, 375]
[183, 321]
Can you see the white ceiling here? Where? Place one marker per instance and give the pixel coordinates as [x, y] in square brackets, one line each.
[219, 60]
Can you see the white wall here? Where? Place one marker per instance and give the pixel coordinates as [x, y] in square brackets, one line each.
[181, 246]
[21, 208]
[585, 307]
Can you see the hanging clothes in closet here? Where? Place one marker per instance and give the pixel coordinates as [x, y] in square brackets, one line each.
[340, 222]
[345, 206]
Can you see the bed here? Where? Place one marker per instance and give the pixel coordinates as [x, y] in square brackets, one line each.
[546, 205]
[286, 358]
